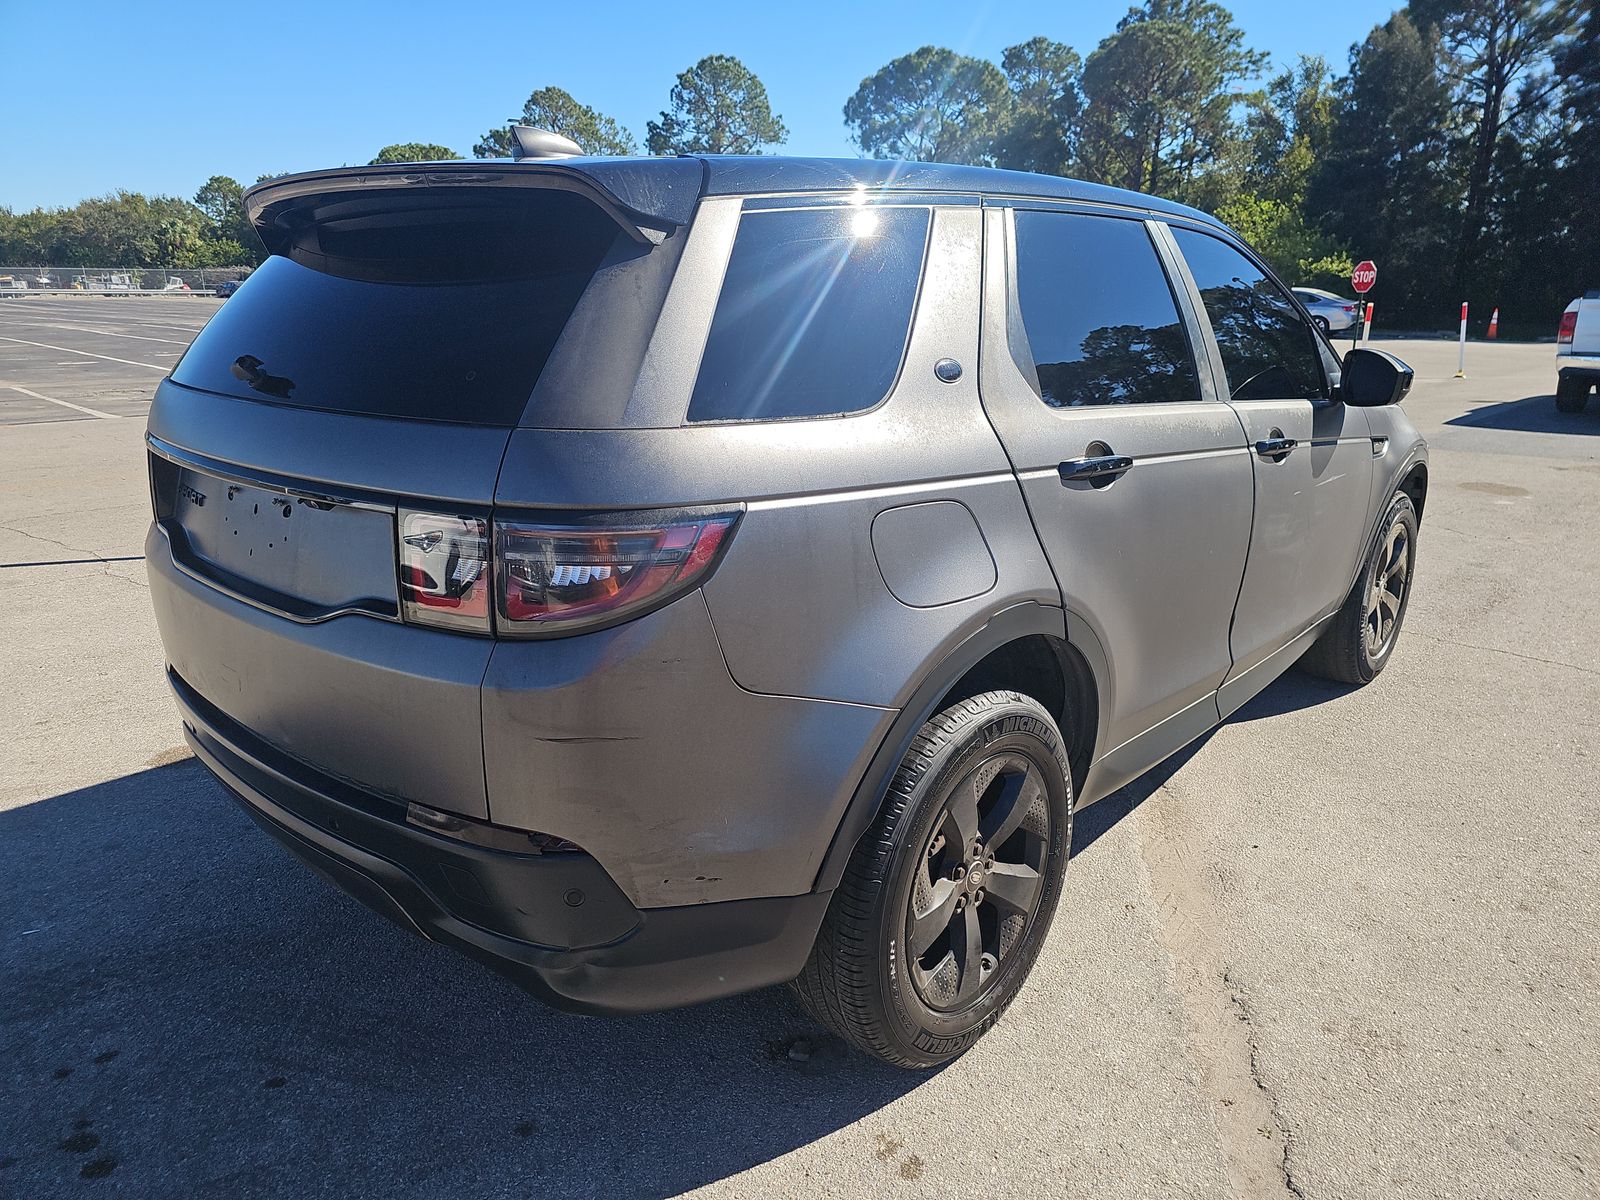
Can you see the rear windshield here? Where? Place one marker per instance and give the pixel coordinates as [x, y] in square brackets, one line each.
[814, 313]
[432, 308]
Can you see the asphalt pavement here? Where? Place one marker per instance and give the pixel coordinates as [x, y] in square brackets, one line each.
[1345, 946]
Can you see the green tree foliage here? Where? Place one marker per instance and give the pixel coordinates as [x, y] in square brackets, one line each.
[411, 152]
[1577, 65]
[1387, 188]
[718, 106]
[124, 229]
[1287, 130]
[221, 200]
[1040, 128]
[1159, 92]
[554, 109]
[1496, 58]
[932, 105]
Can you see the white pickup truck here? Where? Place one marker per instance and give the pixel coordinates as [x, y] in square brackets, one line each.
[1578, 353]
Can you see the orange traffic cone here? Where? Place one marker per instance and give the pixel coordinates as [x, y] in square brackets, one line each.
[1494, 322]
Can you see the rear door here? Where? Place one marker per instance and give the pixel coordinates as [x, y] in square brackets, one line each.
[1136, 475]
[1312, 459]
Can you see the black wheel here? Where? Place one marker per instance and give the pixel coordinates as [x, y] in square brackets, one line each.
[1361, 637]
[949, 895]
[1572, 395]
[1322, 323]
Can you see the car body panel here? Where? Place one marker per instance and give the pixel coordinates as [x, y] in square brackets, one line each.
[637, 744]
[345, 453]
[723, 753]
[1311, 513]
[1182, 511]
[864, 644]
[390, 705]
[1580, 357]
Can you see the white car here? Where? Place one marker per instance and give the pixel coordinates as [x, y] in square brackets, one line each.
[1331, 313]
[1578, 353]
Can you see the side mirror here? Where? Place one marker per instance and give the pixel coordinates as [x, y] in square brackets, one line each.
[1372, 378]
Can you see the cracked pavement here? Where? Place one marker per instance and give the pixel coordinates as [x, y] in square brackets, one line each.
[1344, 946]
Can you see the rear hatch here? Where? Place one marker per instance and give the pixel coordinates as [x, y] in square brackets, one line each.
[374, 365]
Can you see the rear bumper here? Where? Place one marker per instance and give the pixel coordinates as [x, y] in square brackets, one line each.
[555, 923]
[1578, 366]
[633, 742]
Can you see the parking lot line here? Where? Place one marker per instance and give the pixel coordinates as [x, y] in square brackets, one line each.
[93, 412]
[87, 354]
[138, 337]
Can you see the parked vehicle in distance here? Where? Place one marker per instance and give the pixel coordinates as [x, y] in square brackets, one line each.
[117, 281]
[1578, 353]
[174, 283]
[666, 577]
[227, 287]
[1331, 313]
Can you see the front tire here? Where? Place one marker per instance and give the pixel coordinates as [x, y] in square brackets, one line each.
[948, 897]
[1358, 642]
[1572, 395]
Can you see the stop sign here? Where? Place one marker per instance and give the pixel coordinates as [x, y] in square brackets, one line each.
[1364, 276]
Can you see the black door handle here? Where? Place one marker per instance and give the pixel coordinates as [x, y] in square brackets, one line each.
[1275, 447]
[1102, 467]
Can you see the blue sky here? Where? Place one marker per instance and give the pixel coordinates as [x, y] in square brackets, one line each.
[157, 96]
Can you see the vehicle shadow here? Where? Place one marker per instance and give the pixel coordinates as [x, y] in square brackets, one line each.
[186, 1010]
[1532, 414]
[1290, 692]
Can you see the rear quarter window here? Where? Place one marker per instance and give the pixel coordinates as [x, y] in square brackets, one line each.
[813, 315]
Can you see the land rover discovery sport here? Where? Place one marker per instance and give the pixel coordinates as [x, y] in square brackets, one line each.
[661, 578]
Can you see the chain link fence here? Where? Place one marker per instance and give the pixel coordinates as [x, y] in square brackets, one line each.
[17, 280]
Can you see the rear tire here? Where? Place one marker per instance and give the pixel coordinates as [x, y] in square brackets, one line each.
[1322, 323]
[1361, 637]
[938, 887]
[1572, 395]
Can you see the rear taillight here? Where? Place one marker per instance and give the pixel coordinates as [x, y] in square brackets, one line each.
[1569, 326]
[552, 580]
[444, 570]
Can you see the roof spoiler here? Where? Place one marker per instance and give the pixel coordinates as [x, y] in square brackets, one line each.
[648, 198]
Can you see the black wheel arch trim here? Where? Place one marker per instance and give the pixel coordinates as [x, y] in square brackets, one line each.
[1417, 458]
[1007, 625]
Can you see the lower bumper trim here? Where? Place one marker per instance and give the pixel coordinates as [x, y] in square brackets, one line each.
[659, 958]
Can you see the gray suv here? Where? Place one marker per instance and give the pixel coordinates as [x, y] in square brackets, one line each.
[662, 578]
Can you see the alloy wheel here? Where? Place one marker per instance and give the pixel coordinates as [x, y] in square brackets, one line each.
[979, 881]
[1387, 594]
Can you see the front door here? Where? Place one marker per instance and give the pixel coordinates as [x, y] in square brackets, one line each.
[1135, 473]
[1312, 459]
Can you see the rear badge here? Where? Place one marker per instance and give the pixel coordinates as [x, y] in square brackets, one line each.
[192, 496]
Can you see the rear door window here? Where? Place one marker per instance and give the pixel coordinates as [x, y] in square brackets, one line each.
[1268, 349]
[814, 313]
[433, 309]
[1101, 320]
